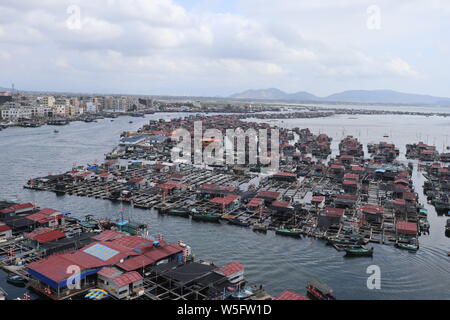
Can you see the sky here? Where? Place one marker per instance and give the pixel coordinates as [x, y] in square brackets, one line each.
[218, 47]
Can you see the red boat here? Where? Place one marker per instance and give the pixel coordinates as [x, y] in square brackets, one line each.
[318, 290]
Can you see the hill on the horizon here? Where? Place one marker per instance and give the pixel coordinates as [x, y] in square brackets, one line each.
[350, 96]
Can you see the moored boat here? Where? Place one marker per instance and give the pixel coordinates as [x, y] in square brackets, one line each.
[318, 290]
[289, 232]
[3, 294]
[177, 213]
[238, 222]
[208, 217]
[259, 227]
[407, 246]
[16, 280]
[358, 252]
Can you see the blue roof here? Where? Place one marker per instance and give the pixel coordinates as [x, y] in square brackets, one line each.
[132, 139]
[101, 251]
[122, 223]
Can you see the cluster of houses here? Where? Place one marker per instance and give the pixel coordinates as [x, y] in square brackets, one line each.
[383, 152]
[421, 151]
[112, 260]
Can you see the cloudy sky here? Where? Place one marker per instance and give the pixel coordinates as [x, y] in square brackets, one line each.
[219, 47]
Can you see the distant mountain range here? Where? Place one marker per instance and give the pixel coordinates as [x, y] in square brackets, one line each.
[351, 96]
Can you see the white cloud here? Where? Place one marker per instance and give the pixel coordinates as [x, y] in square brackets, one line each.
[401, 68]
[266, 44]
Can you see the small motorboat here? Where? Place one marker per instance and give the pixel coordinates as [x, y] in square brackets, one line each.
[55, 131]
[238, 222]
[208, 217]
[259, 227]
[289, 232]
[358, 252]
[318, 290]
[3, 294]
[16, 280]
[407, 246]
[178, 213]
[130, 122]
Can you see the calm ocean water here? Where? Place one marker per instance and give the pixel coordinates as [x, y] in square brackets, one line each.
[277, 262]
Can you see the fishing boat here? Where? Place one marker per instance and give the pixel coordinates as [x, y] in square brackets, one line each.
[16, 280]
[442, 206]
[3, 294]
[358, 252]
[318, 290]
[177, 212]
[259, 227]
[407, 246]
[208, 217]
[238, 222]
[424, 224]
[289, 232]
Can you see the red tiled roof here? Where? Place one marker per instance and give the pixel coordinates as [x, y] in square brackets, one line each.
[351, 176]
[104, 175]
[280, 204]
[406, 227]
[290, 295]
[334, 212]
[132, 242]
[4, 228]
[255, 202]
[318, 199]
[43, 235]
[165, 186]
[349, 183]
[169, 185]
[127, 278]
[212, 187]
[225, 200]
[372, 209]
[268, 194]
[400, 202]
[401, 181]
[45, 215]
[353, 197]
[109, 272]
[231, 268]
[285, 174]
[135, 263]
[53, 267]
[17, 207]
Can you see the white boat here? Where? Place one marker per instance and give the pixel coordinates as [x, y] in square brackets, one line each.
[3, 294]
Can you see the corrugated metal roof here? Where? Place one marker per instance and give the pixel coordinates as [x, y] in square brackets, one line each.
[127, 278]
[290, 295]
[231, 268]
